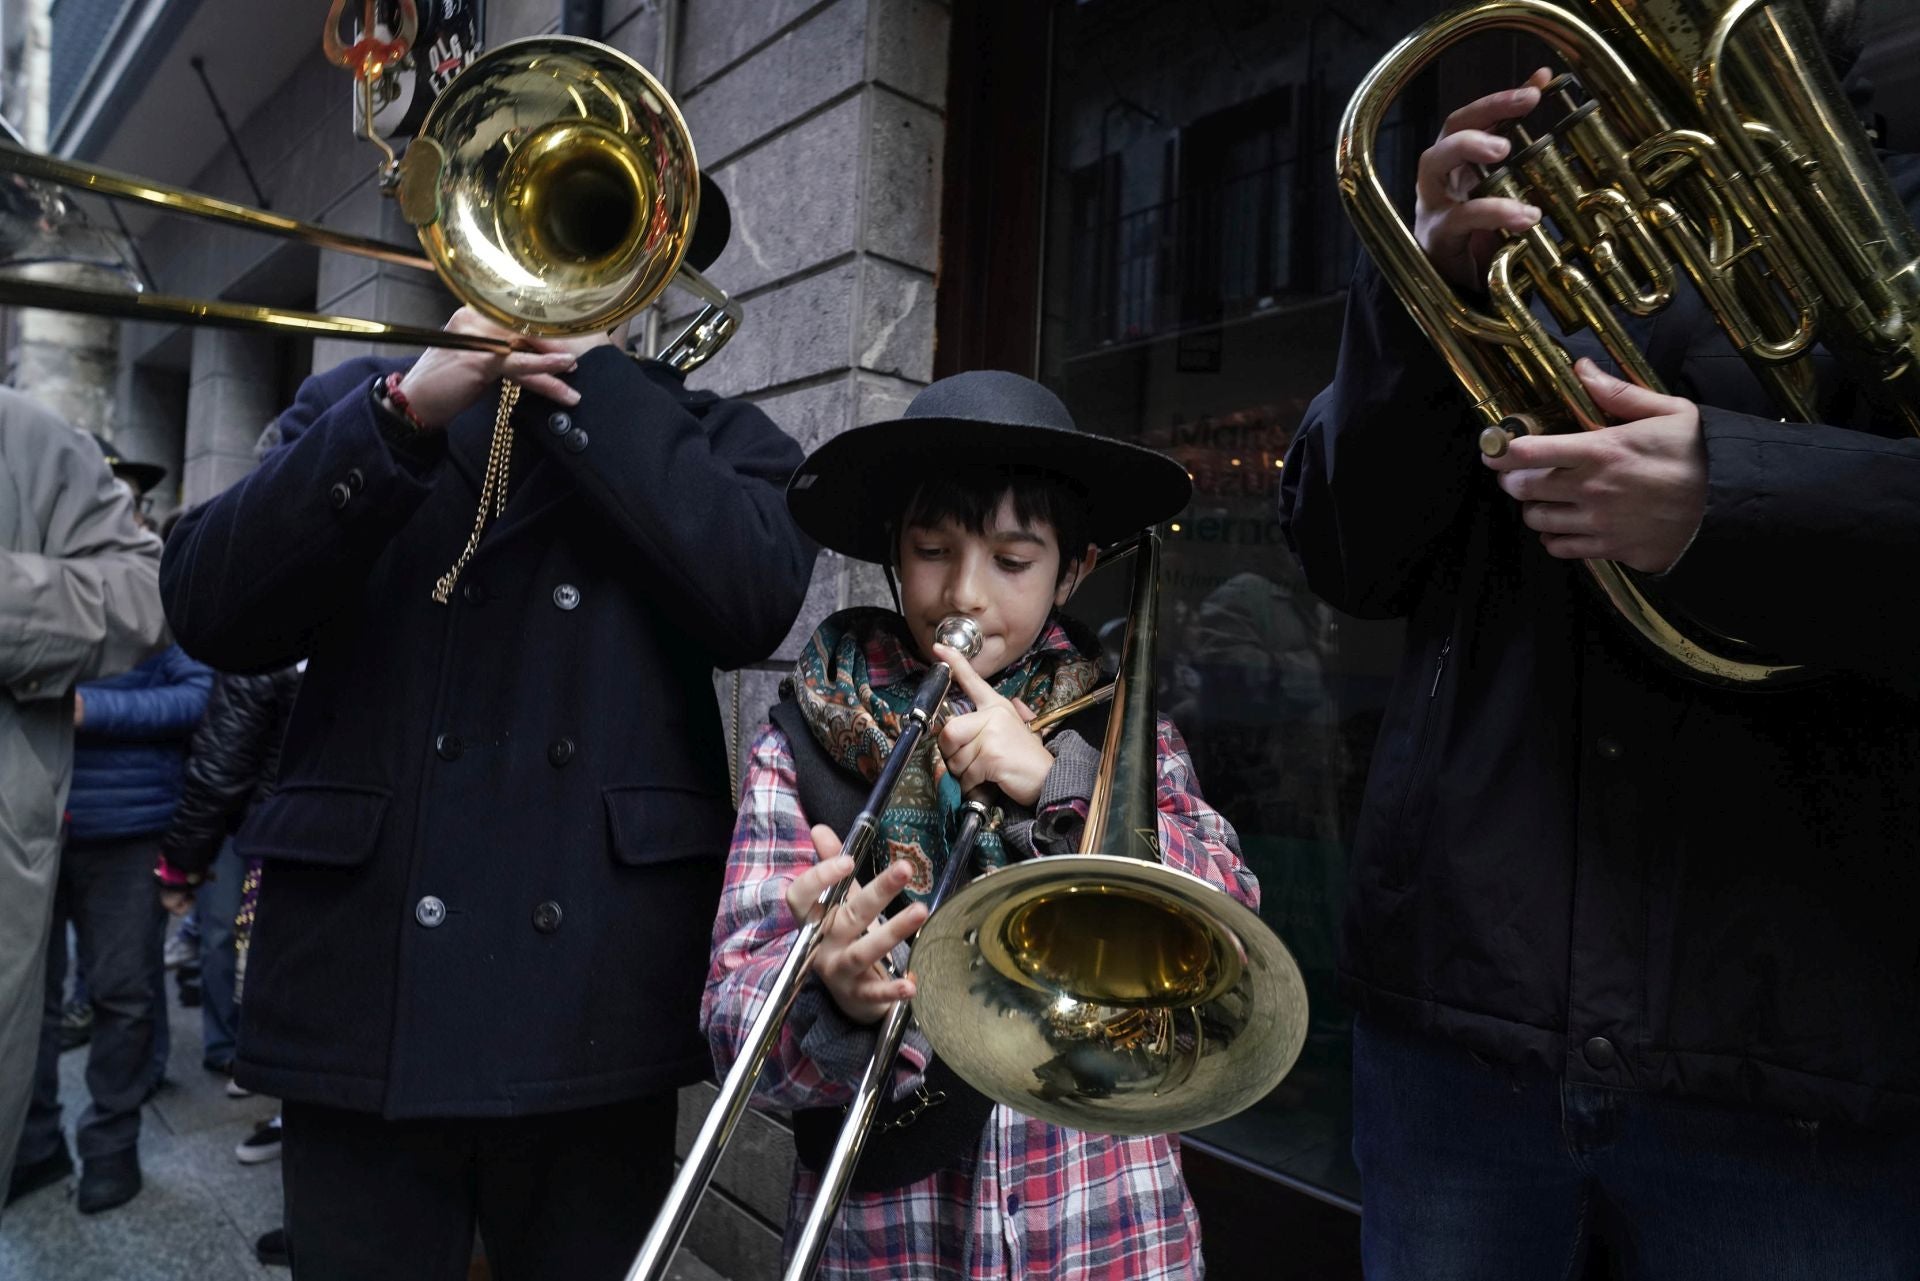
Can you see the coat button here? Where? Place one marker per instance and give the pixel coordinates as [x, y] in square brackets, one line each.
[449, 746]
[566, 596]
[1599, 1053]
[356, 479]
[339, 495]
[474, 594]
[1609, 747]
[575, 440]
[430, 911]
[546, 917]
[559, 424]
[560, 753]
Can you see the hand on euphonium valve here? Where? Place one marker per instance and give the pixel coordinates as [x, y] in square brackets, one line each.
[445, 382]
[1459, 232]
[1634, 493]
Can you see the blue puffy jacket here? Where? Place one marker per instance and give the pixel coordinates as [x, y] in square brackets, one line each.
[130, 752]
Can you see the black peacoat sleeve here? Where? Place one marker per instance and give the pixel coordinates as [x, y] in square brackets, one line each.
[251, 575]
[1382, 463]
[695, 486]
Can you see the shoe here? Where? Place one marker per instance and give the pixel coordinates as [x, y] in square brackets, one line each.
[107, 1181]
[76, 1025]
[180, 950]
[271, 1249]
[44, 1173]
[235, 1090]
[262, 1145]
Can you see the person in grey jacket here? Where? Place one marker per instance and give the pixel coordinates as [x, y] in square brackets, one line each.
[79, 598]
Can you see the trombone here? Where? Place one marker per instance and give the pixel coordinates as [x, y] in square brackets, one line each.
[553, 186]
[1103, 991]
[696, 1170]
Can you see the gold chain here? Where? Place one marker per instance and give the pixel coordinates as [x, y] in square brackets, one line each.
[493, 489]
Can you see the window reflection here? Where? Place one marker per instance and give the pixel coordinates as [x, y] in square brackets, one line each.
[1196, 256]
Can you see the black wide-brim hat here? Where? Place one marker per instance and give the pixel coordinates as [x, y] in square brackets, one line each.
[142, 476]
[848, 493]
[712, 229]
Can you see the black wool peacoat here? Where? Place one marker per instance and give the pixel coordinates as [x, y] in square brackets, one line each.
[491, 865]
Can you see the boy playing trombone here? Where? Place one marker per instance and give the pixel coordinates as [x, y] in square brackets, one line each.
[950, 1185]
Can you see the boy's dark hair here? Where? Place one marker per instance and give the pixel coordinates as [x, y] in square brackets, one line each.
[971, 495]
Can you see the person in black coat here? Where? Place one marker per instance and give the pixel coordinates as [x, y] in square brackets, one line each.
[1634, 957]
[494, 851]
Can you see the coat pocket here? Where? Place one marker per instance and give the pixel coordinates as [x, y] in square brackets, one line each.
[648, 824]
[329, 824]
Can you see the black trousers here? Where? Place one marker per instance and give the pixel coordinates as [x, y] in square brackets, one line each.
[563, 1197]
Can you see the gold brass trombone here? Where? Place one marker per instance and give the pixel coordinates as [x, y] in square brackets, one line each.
[1102, 991]
[553, 185]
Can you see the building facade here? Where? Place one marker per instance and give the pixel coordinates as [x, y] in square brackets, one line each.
[1132, 200]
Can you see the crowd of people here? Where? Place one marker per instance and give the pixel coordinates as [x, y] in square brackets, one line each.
[428, 744]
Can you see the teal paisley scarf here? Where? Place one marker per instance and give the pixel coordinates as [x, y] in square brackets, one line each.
[854, 685]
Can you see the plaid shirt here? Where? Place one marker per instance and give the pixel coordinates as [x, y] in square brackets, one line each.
[1041, 1201]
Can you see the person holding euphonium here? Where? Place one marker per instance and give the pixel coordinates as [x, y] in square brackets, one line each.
[983, 500]
[1633, 953]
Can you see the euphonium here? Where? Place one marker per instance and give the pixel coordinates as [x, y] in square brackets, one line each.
[1715, 142]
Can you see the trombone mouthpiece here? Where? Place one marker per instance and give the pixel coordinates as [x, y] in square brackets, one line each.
[957, 631]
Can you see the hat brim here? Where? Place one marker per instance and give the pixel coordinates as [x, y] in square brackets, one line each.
[848, 491]
[142, 476]
[713, 228]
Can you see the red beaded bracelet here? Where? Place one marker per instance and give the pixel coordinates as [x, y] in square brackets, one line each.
[398, 399]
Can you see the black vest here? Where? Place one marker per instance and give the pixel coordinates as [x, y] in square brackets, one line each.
[936, 1128]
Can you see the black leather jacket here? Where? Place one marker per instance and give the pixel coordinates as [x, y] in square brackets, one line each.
[232, 764]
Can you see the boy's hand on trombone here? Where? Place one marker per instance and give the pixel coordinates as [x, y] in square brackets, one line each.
[854, 942]
[992, 743]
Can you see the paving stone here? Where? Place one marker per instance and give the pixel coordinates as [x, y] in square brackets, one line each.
[790, 200]
[901, 212]
[910, 48]
[718, 33]
[798, 71]
[895, 321]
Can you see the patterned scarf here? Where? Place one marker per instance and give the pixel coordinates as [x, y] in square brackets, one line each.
[855, 683]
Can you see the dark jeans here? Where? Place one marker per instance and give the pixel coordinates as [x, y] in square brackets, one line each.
[565, 1197]
[1483, 1172]
[218, 903]
[107, 891]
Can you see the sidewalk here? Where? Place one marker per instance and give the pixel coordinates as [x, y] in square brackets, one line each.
[200, 1210]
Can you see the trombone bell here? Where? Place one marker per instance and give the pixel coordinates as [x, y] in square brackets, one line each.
[560, 189]
[1109, 994]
